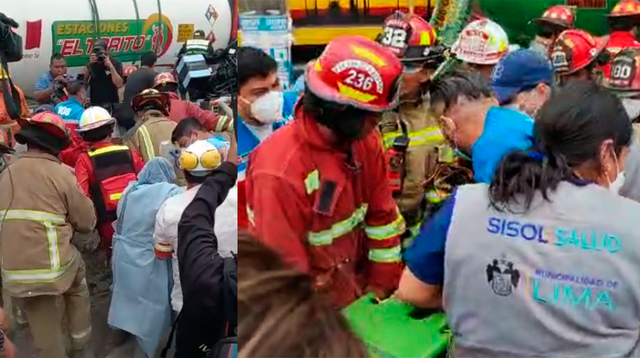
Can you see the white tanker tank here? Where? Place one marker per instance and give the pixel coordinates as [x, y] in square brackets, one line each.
[130, 28]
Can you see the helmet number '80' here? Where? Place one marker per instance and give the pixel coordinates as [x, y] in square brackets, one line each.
[621, 71]
[360, 81]
[394, 37]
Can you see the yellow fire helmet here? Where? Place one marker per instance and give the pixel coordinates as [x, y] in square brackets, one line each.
[200, 158]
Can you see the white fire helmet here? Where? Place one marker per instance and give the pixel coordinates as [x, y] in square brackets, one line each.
[481, 42]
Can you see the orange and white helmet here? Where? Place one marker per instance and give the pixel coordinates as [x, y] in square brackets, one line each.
[128, 70]
[49, 121]
[481, 42]
[200, 158]
[94, 117]
[626, 8]
[163, 79]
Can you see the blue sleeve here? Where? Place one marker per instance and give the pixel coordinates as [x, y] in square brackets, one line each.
[425, 257]
[42, 83]
[77, 113]
[290, 99]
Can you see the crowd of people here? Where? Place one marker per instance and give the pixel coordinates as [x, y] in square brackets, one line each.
[118, 152]
[485, 180]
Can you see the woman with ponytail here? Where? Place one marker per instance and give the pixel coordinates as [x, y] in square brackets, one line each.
[548, 250]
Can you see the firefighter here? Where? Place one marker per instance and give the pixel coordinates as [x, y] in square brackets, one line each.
[105, 170]
[42, 206]
[198, 45]
[180, 109]
[154, 128]
[411, 136]
[152, 109]
[6, 120]
[625, 82]
[575, 55]
[481, 44]
[552, 22]
[623, 22]
[317, 189]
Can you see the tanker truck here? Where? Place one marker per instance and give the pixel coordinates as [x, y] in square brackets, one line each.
[130, 28]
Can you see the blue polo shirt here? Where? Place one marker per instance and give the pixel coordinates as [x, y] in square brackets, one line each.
[505, 131]
[70, 110]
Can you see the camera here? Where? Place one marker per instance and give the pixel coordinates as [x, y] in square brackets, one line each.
[10, 42]
[100, 53]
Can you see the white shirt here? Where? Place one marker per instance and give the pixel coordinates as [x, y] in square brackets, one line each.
[166, 231]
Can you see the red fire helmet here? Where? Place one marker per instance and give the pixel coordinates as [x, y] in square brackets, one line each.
[626, 8]
[574, 50]
[356, 71]
[558, 16]
[411, 38]
[50, 122]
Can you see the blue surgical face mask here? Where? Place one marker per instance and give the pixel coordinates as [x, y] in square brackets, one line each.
[462, 154]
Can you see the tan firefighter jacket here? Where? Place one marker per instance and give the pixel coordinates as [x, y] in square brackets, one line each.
[427, 147]
[154, 128]
[41, 205]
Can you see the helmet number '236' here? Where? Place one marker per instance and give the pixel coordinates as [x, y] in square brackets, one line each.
[394, 37]
[359, 81]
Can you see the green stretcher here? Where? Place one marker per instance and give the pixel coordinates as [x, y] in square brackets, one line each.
[393, 329]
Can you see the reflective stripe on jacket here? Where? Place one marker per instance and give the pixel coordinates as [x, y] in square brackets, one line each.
[41, 206]
[153, 130]
[427, 148]
[341, 225]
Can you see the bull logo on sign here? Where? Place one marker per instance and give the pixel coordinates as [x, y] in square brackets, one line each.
[502, 277]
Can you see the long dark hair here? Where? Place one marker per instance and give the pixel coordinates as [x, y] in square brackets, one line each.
[569, 130]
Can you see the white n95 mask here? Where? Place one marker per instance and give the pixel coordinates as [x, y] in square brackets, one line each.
[268, 108]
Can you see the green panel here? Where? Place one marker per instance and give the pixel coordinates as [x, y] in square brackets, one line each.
[514, 15]
[390, 332]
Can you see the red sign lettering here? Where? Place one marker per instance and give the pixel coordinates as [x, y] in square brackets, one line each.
[589, 4]
[70, 47]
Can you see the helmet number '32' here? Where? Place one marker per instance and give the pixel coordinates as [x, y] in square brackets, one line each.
[394, 37]
[360, 81]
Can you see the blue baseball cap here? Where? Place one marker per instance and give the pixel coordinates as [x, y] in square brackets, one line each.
[518, 71]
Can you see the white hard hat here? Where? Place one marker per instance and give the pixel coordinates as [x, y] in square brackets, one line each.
[199, 158]
[481, 42]
[94, 117]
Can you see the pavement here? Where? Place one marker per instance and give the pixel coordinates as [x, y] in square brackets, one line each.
[105, 343]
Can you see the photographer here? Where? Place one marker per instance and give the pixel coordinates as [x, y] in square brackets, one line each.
[104, 77]
[49, 86]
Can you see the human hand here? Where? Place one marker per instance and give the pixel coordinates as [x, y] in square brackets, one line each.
[61, 78]
[232, 156]
[107, 62]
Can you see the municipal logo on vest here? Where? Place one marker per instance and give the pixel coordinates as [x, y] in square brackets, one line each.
[502, 276]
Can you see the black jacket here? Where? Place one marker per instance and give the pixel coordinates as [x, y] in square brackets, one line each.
[203, 321]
